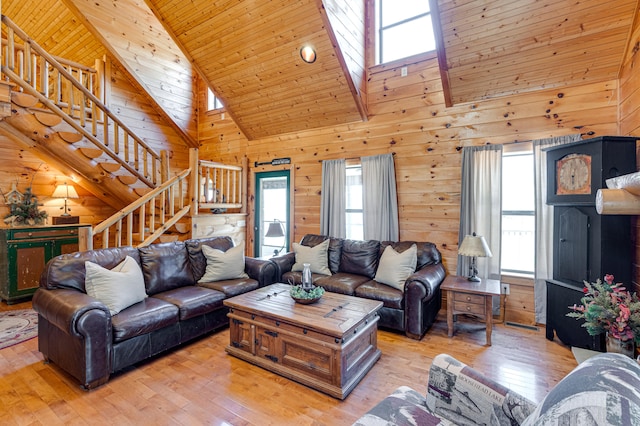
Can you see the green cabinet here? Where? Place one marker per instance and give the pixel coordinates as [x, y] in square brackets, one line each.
[24, 253]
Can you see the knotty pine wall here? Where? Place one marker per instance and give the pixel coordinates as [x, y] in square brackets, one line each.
[409, 118]
[630, 117]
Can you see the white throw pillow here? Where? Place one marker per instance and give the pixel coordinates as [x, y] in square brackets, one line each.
[117, 288]
[317, 257]
[223, 265]
[394, 268]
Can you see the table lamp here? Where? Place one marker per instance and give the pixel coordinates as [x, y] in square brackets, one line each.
[276, 230]
[65, 191]
[474, 246]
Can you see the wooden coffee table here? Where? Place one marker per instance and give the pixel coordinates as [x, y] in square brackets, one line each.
[329, 345]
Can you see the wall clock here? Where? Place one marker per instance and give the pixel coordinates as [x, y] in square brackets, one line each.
[573, 173]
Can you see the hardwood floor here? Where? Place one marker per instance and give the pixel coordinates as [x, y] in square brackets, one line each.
[200, 384]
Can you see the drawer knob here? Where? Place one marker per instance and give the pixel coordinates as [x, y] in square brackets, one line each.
[468, 299]
[468, 308]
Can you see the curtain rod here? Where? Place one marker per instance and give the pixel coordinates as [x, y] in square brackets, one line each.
[352, 158]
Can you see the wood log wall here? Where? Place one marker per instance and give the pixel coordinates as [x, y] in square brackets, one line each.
[409, 118]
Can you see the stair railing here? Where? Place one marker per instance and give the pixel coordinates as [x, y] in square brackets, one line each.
[148, 217]
[32, 74]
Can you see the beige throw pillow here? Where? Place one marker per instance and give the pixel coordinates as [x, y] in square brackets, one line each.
[117, 288]
[223, 265]
[317, 257]
[394, 268]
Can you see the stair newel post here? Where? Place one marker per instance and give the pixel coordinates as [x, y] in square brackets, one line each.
[194, 177]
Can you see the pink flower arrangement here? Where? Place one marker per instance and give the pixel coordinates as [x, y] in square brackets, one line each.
[608, 306]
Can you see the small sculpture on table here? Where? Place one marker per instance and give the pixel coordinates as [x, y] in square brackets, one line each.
[306, 293]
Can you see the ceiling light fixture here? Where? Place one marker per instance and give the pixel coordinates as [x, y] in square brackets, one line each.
[308, 54]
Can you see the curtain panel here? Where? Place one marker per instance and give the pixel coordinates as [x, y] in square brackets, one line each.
[380, 198]
[481, 206]
[544, 223]
[333, 199]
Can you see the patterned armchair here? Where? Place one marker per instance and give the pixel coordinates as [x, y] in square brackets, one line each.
[604, 390]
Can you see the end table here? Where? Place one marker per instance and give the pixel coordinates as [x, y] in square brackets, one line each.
[469, 297]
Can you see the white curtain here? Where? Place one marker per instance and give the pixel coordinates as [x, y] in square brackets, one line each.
[544, 223]
[481, 206]
[380, 199]
[333, 199]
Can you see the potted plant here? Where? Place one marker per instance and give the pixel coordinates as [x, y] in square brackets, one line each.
[609, 307]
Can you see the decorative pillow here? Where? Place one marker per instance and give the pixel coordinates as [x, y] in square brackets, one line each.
[223, 265]
[117, 288]
[394, 268]
[317, 257]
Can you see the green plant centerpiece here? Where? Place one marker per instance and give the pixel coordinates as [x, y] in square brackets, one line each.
[306, 295]
[609, 307]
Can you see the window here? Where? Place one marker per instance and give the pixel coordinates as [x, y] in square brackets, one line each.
[213, 102]
[403, 28]
[354, 219]
[518, 213]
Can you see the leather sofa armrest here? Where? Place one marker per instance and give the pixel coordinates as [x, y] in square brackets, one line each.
[283, 263]
[65, 307]
[263, 271]
[425, 282]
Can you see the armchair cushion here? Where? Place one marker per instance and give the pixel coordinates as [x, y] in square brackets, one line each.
[316, 257]
[117, 288]
[394, 267]
[223, 265]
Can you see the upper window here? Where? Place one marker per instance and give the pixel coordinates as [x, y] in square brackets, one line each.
[518, 214]
[213, 102]
[403, 28]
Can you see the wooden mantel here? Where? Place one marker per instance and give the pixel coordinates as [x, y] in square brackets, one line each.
[622, 195]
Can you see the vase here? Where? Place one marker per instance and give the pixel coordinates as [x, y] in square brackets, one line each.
[625, 347]
[307, 282]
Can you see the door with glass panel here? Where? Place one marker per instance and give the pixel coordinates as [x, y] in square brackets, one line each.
[272, 213]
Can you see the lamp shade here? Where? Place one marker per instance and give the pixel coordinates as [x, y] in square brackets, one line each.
[65, 191]
[275, 229]
[474, 245]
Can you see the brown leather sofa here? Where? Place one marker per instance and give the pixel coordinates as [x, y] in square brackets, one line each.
[77, 332]
[412, 311]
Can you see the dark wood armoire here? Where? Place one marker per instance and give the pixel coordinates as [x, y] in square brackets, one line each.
[586, 245]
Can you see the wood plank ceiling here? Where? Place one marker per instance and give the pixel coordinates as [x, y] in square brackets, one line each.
[503, 47]
[248, 53]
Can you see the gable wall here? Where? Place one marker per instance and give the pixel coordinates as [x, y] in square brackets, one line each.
[409, 118]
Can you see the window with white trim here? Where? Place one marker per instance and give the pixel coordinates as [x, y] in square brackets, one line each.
[403, 28]
[213, 102]
[518, 213]
[355, 215]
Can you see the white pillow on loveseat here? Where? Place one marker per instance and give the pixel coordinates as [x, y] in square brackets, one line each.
[317, 257]
[223, 265]
[117, 288]
[394, 268]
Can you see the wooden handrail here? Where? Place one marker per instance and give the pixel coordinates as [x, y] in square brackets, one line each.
[107, 223]
[150, 175]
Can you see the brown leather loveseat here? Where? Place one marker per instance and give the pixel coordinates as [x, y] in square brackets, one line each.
[353, 266]
[79, 334]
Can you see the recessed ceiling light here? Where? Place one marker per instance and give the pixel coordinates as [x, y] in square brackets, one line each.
[308, 54]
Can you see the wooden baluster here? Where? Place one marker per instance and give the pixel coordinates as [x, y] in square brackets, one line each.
[116, 138]
[130, 229]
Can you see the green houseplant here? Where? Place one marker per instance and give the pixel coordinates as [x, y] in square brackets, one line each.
[609, 307]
